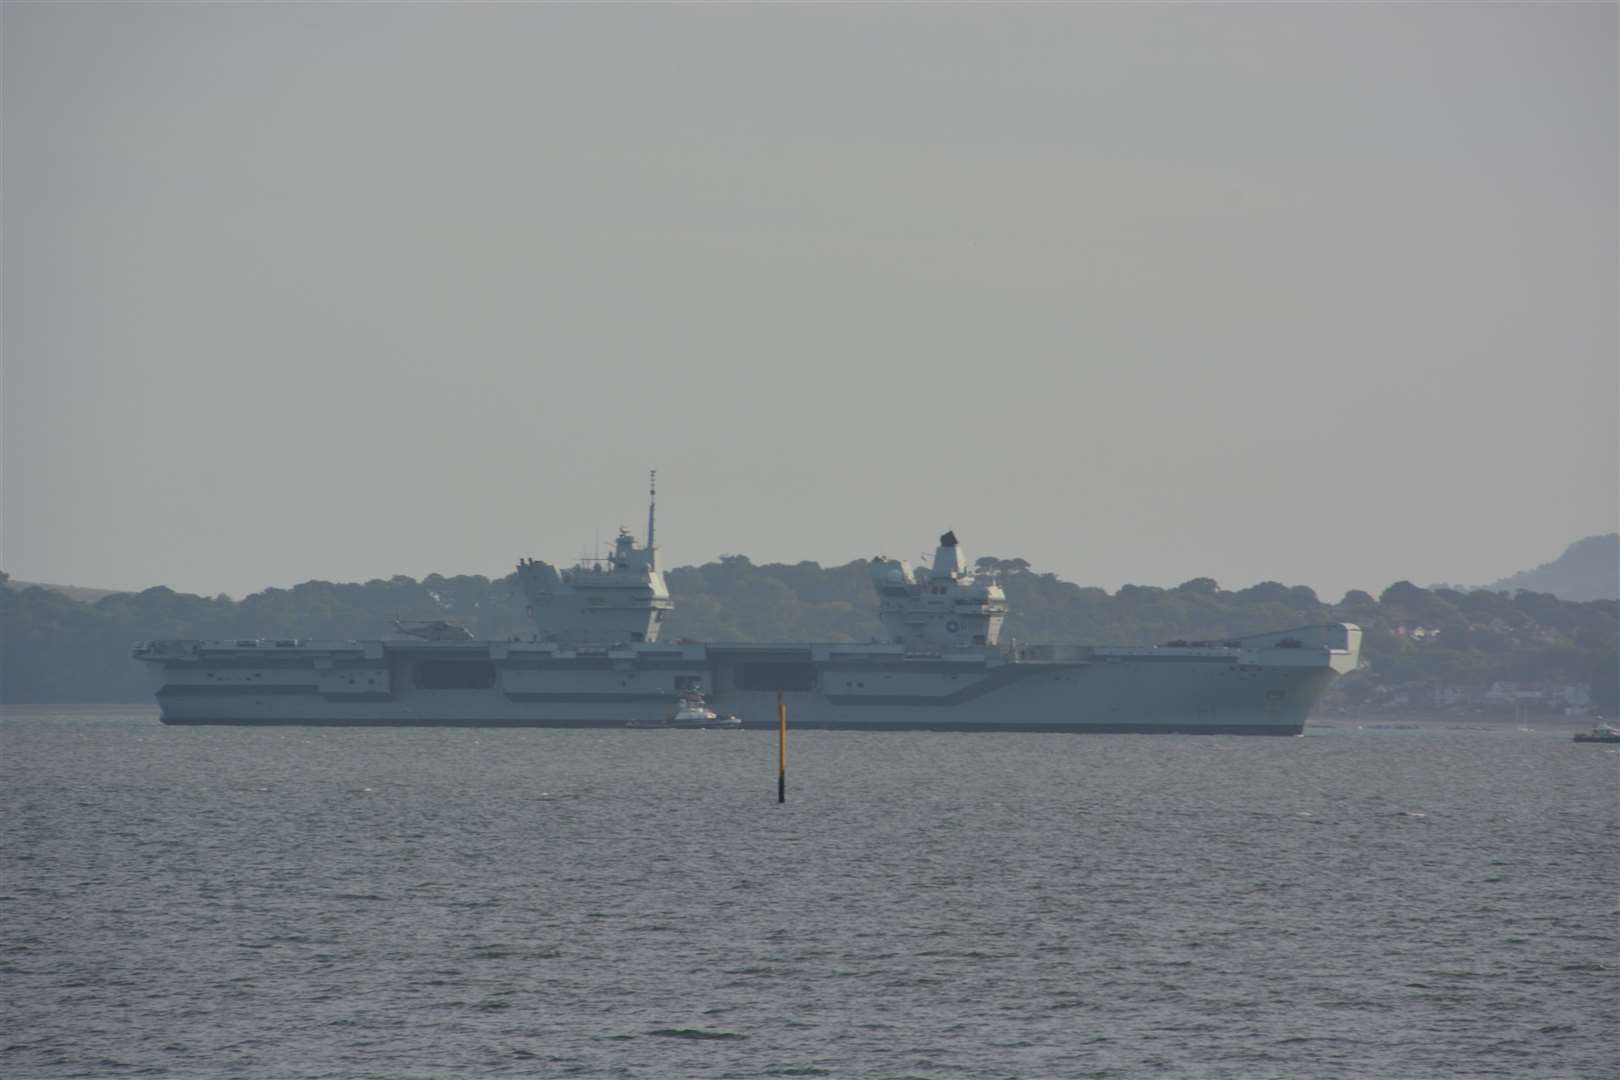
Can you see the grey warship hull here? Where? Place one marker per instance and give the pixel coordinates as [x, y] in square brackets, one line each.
[595, 661]
[1260, 685]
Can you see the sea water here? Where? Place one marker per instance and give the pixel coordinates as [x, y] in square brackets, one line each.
[303, 902]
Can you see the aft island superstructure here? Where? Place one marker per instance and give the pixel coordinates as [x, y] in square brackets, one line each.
[595, 660]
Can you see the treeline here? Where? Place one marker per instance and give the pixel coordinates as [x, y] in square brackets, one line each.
[54, 649]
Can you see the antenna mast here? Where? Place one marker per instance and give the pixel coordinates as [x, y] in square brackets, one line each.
[652, 504]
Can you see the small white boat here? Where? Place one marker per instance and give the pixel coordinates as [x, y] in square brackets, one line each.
[692, 712]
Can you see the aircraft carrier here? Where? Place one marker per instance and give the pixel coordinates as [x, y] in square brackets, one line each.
[595, 661]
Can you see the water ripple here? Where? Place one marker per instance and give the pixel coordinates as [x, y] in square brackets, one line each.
[449, 903]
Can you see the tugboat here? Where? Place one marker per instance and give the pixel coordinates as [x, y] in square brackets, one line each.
[1600, 732]
[693, 712]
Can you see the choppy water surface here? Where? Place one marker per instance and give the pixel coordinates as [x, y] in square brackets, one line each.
[412, 903]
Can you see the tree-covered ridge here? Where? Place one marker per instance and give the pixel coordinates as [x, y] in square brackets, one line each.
[1588, 569]
[53, 648]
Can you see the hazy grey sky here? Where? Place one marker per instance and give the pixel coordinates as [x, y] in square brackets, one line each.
[1319, 293]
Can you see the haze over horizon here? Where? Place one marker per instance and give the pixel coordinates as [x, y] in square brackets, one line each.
[1316, 294]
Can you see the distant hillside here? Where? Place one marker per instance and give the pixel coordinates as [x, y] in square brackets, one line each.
[73, 592]
[1587, 570]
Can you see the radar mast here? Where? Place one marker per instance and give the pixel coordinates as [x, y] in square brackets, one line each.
[652, 507]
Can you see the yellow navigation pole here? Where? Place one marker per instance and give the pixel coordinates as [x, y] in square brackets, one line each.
[781, 749]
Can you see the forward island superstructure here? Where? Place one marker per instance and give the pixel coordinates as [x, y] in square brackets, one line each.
[595, 660]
